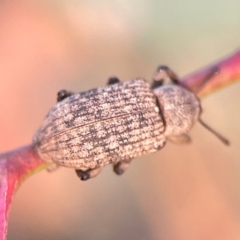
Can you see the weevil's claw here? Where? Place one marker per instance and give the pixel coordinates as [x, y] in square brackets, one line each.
[61, 95]
[83, 175]
[120, 167]
[113, 80]
[90, 173]
[118, 170]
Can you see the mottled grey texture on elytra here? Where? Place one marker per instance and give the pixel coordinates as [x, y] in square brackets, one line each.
[101, 126]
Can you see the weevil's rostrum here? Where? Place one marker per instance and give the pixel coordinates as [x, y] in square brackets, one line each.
[101, 126]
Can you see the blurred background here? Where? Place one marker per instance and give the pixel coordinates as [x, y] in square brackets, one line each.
[180, 193]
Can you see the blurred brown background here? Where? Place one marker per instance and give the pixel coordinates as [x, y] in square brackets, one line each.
[180, 193]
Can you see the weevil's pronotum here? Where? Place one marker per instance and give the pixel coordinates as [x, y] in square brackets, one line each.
[118, 122]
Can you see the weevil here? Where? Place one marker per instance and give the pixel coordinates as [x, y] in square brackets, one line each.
[118, 122]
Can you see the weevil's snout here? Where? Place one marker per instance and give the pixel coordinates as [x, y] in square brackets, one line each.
[180, 109]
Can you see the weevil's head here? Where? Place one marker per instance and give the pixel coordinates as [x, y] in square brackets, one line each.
[179, 107]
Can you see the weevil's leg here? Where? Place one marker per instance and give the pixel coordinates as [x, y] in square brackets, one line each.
[52, 167]
[90, 173]
[162, 75]
[61, 95]
[180, 139]
[120, 167]
[113, 80]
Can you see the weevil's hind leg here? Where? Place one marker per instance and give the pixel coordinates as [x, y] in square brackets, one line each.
[61, 95]
[180, 139]
[90, 173]
[53, 167]
[162, 75]
[113, 80]
[120, 167]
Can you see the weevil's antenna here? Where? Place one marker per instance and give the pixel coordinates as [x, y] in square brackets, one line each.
[218, 135]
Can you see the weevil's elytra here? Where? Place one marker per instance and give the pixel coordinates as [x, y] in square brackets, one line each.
[118, 122]
[101, 126]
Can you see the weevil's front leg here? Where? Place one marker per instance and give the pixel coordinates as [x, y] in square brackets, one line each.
[61, 95]
[90, 173]
[113, 80]
[120, 167]
[161, 75]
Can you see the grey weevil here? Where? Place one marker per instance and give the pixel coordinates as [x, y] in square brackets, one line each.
[118, 122]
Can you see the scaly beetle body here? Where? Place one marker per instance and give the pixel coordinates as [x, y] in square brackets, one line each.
[114, 124]
[101, 126]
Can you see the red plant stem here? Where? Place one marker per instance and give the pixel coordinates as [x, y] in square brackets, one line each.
[15, 166]
[229, 72]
